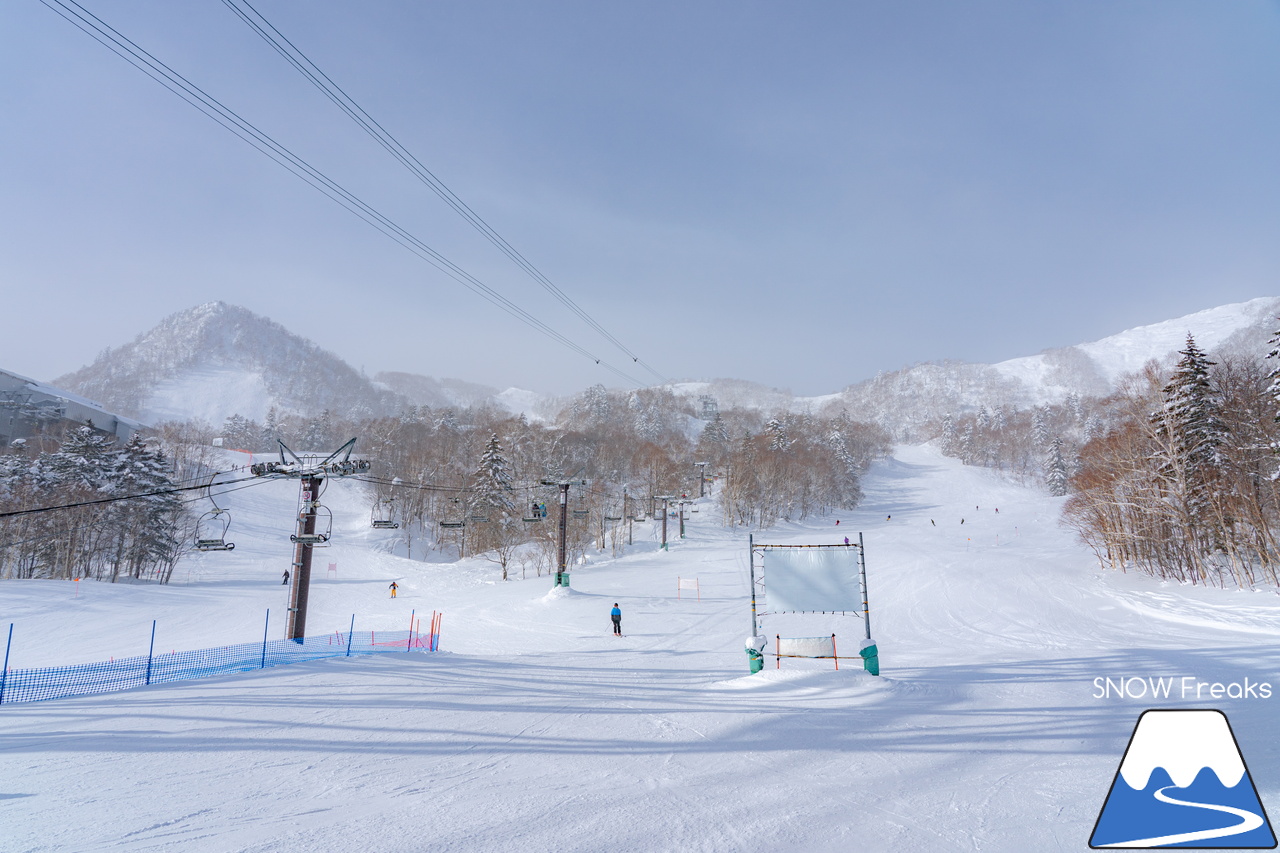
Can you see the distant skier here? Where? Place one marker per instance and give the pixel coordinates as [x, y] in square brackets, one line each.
[846, 540]
[934, 523]
[837, 522]
[393, 589]
[285, 582]
[616, 616]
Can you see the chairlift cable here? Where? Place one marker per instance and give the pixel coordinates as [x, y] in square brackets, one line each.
[119, 44]
[335, 93]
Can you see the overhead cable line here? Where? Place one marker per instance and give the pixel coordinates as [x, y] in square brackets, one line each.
[299, 60]
[15, 512]
[117, 43]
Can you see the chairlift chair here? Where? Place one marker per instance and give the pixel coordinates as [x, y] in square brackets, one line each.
[211, 528]
[382, 520]
[211, 531]
[318, 539]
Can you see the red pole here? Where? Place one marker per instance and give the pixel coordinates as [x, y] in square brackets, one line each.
[835, 654]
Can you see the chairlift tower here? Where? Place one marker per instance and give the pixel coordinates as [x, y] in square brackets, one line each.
[312, 472]
[666, 499]
[702, 478]
[562, 568]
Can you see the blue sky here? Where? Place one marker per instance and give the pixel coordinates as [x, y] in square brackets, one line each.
[800, 194]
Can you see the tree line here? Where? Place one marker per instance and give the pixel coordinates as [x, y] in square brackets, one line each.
[140, 538]
[468, 481]
[1175, 475]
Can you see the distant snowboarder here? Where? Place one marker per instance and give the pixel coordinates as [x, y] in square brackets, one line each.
[393, 589]
[616, 616]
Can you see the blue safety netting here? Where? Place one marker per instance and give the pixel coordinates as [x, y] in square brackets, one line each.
[60, 682]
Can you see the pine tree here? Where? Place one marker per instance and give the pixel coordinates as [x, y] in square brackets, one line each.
[1055, 470]
[1191, 436]
[778, 439]
[1191, 420]
[491, 482]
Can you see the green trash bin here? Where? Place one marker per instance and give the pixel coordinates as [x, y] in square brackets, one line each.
[564, 579]
[756, 660]
[870, 657]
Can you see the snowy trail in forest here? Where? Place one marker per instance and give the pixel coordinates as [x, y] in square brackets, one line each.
[536, 729]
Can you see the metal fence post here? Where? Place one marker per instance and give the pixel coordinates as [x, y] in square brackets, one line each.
[4, 673]
[151, 650]
[264, 639]
[350, 632]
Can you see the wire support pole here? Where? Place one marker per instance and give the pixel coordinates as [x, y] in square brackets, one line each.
[300, 586]
[562, 557]
[751, 561]
[862, 571]
[665, 501]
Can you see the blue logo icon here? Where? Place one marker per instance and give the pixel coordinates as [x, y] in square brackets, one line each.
[1183, 783]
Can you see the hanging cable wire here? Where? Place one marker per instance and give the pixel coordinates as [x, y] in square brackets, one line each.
[335, 93]
[116, 498]
[127, 50]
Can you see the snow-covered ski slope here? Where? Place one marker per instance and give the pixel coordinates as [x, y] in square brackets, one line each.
[536, 730]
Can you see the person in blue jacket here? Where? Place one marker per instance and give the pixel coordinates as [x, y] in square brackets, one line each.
[616, 615]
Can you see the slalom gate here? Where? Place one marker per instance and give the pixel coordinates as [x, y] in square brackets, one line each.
[62, 682]
[689, 584]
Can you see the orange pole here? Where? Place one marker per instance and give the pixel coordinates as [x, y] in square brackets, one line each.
[834, 652]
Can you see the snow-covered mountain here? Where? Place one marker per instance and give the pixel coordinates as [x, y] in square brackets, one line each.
[216, 360]
[915, 395]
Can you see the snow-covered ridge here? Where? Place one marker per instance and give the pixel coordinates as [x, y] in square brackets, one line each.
[1183, 743]
[216, 360]
[1057, 372]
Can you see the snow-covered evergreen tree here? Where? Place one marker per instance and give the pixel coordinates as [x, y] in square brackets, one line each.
[1192, 431]
[778, 439]
[491, 482]
[1055, 470]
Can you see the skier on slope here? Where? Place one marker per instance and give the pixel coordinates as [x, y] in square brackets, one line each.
[616, 616]
[393, 589]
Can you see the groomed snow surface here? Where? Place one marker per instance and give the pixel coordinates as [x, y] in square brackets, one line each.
[534, 729]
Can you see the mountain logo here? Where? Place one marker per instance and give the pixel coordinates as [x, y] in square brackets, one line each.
[1182, 783]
